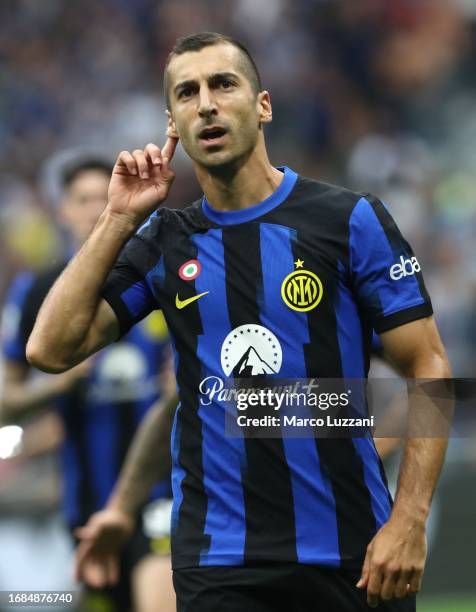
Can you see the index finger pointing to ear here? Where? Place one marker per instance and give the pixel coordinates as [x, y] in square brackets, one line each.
[169, 148]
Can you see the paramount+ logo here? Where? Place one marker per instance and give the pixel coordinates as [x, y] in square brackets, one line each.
[406, 267]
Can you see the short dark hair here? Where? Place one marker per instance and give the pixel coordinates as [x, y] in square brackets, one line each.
[72, 170]
[196, 42]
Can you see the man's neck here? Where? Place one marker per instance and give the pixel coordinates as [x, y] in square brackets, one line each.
[242, 186]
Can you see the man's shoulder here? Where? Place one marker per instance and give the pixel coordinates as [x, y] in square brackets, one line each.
[327, 194]
[190, 216]
[167, 221]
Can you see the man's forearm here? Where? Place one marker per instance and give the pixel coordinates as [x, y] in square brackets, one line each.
[20, 400]
[148, 460]
[430, 412]
[419, 471]
[58, 338]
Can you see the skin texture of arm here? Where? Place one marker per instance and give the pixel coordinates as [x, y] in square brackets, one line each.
[396, 556]
[74, 322]
[21, 398]
[148, 461]
[43, 435]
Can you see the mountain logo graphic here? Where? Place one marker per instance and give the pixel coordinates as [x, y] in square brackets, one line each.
[251, 364]
[251, 350]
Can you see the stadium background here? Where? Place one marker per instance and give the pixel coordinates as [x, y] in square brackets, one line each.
[375, 95]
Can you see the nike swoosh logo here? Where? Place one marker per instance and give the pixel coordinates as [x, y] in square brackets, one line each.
[182, 303]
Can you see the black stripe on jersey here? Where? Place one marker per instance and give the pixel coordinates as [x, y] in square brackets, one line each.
[189, 535]
[266, 478]
[351, 495]
[74, 417]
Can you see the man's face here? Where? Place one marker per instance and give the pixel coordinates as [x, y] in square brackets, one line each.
[83, 203]
[215, 111]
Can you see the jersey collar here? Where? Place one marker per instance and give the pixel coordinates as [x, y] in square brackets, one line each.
[231, 217]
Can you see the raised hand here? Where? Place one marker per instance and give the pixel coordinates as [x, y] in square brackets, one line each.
[141, 181]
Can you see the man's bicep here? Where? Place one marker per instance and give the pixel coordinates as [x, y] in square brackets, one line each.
[416, 349]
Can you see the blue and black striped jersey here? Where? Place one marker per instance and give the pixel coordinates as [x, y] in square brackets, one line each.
[290, 287]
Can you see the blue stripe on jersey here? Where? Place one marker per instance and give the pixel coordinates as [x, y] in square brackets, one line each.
[231, 217]
[288, 325]
[102, 437]
[372, 257]
[223, 457]
[147, 222]
[137, 299]
[71, 478]
[157, 275]
[349, 330]
[13, 345]
[315, 536]
[379, 495]
[178, 473]
[351, 346]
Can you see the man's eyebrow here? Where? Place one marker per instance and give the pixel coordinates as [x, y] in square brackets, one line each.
[183, 84]
[222, 75]
[212, 78]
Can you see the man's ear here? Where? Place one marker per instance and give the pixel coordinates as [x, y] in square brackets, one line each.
[264, 105]
[171, 129]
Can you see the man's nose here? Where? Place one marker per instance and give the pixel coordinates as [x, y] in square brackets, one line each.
[207, 104]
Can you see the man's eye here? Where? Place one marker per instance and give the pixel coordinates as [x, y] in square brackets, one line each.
[226, 84]
[185, 93]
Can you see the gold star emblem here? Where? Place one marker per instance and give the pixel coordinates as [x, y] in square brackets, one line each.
[299, 263]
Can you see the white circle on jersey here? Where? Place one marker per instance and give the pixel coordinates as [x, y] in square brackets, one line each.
[190, 270]
[251, 350]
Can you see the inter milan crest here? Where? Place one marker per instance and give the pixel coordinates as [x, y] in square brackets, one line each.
[302, 289]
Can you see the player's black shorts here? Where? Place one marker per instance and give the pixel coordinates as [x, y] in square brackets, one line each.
[280, 587]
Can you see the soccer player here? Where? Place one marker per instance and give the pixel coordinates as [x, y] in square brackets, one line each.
[269, 274]
[101, 401]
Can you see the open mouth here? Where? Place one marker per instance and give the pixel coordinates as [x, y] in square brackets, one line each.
[211, 134]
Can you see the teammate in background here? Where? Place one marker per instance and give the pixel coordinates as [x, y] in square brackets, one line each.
[148, 461]
[275, 523]
[101, 401]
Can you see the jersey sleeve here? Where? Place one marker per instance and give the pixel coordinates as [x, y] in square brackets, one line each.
[127, 289]
[13, 333]
[386, 275]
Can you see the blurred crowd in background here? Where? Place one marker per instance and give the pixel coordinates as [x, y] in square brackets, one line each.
[378, 96]
[375, 95]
